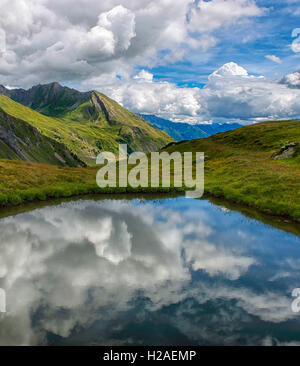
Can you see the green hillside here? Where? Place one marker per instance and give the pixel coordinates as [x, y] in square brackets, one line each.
[240, 166]
[119, 124]
[98, 124]
[21, 141]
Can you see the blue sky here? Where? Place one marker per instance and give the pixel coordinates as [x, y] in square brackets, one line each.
[269, 34]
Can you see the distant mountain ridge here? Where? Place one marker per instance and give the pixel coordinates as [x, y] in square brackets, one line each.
[186, 131]
[50, 99]
[85, 123]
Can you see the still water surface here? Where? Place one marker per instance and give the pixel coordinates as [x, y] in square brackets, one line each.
[132, 272]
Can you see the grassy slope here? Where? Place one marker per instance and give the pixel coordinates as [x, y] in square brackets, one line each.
[115, 125]
[7, 153]
[50, 127]
[25, 181]
[239, 166]
[86, 137]
[27, 143]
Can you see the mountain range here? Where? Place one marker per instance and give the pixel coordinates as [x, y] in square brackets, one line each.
[65, 130]
[186, 131]
[59, 125]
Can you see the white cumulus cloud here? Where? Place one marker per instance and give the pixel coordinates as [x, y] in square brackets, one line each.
[292, 80]
[230, 94]
[229, 69]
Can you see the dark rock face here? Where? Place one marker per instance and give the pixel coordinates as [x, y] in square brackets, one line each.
[9, 138]
[5, 91]
[286, 152]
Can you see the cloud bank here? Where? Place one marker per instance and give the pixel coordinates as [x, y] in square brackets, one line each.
[43, 40]
[112, 46]
[231, 94]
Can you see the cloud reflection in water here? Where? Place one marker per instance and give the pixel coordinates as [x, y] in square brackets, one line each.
[92, 272]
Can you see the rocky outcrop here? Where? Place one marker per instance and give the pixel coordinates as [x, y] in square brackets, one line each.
[286, 152]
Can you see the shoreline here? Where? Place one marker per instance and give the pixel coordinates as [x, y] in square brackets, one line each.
[280, 221]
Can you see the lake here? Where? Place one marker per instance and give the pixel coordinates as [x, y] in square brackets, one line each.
[171, 271]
